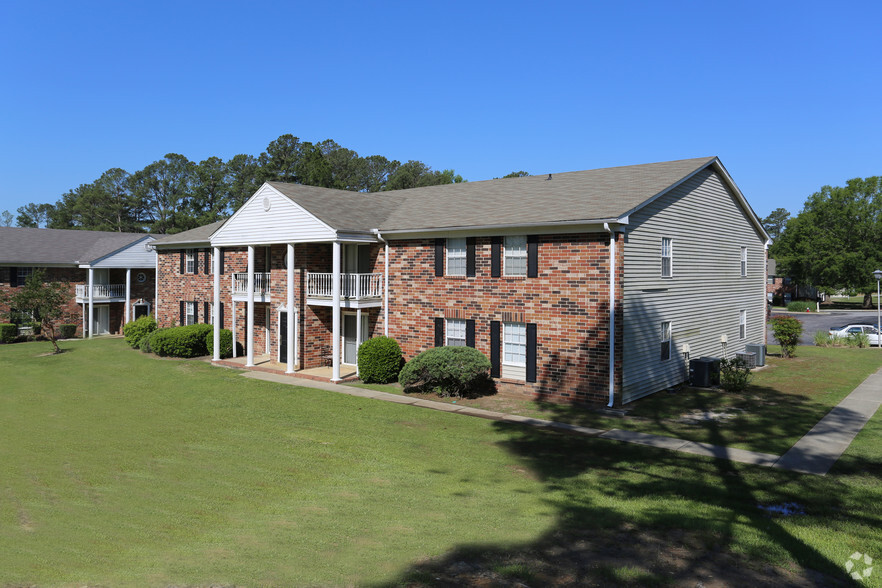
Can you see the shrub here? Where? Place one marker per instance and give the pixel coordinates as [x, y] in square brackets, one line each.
[447, 371]
[734, 374]
[787, 330]
[859, 340]
[798, 306]
[8, 331]
[379, 360]
[188, 341]
[823, 339]
[226, 344]
[138, 329]
[67, 331]
[144, 346]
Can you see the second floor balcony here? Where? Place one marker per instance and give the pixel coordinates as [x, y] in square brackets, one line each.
[355, 289]
[102, 292]
[261, 286]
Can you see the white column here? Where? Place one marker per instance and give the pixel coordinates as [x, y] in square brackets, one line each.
[128, 295]
[335, 319]
[358, 336]
[91, 305]
[235, 335]
[84, 320]
[290, 305]
[249, 318]
[215, 320]
[386, 292]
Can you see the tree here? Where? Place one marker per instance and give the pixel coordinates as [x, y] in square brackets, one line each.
[416, 174]
[280, 160]
[211, 191]
[45, 301]
[6, 218]
[165, 187]
[244, 179]
[516, 174]
[833, 243]
[33, 215]
[776, 221]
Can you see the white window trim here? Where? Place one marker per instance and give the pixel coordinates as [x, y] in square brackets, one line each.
[190, 261]
[669, 332]
[508, 252]
[189, 313]
[744, 262]
[742, 324]
[457, 254]
[506, 327]
[452, 327]
[669, 257]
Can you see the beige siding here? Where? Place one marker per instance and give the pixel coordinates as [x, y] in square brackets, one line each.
[704, 297]
[283, 222]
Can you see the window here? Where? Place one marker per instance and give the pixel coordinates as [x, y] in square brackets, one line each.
[23, 274]
[666, 340]
[514, 344]
[667, 257]
[190, 266]
[456, 256]
[744, 262]
[455, 333]
[742, 325]
[515, 258]
[189, 313]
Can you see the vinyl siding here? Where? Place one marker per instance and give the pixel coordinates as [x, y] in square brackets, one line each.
[706, 293]
[284, 222]
[135, 255]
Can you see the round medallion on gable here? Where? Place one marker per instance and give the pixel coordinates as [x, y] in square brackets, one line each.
[266, 203]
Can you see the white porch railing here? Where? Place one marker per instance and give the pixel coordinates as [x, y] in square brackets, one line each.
[261, 283]
[101, 291]
[352, 286]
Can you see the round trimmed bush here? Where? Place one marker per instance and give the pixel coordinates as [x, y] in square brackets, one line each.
[138, 329]
[379, 360]
[226, 343]
[188, 341]
[8, 331]
[447, 371]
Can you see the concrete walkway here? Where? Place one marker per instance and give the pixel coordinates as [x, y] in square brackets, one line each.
[815, 453]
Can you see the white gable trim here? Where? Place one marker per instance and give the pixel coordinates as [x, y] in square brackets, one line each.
[284, 221]
[132, 255]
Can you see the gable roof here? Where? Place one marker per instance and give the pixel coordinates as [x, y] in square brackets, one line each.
[199, 235]
[341, 209]
[60, 246]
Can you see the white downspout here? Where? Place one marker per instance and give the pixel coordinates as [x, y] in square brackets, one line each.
[612, 314]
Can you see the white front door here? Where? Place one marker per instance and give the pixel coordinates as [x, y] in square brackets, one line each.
[350, 336]
[101, 324]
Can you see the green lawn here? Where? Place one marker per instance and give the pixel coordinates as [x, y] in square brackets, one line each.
[120, 469]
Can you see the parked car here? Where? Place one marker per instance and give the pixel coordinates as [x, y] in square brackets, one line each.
[870, 330]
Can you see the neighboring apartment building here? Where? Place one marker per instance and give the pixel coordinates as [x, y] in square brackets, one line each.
[536, 272]
[111, 275]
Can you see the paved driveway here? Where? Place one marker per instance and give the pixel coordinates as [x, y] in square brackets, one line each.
[824, 321]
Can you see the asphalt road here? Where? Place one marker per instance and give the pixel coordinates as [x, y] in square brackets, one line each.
[824, 321]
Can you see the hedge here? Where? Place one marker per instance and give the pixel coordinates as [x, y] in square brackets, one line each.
[138, 329]
[226, 344]
[188, 341]
[799, 306]
[8, 331]
[67, 331]
[448, 371]
[379, 360]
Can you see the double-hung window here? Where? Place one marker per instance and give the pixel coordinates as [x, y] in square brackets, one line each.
[665, 340]
[455, 333]
[189, 313]
[667, 257]
[515, 258]
[742, 325]
[23, 274]
[514, 350]
[744, 262]
[190, 261]
[456, 256]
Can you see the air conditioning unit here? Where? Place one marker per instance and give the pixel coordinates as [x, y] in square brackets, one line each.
[760, 351]
[704, 372]
[747, 358]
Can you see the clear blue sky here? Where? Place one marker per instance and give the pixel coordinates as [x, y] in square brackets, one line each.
[787, 94]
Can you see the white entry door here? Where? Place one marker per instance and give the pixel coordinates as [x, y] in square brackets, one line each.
[350, 336]
[101, 319]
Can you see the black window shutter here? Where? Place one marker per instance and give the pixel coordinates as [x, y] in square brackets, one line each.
[531, 352]
[495, 257]
[439, 332]
[470, 332]
[13, 277]
[196, 261]
[532, 256]
[183, 318]
[206, 311]
[220, 315]
[195, 312]
[439, 257]
[222, 260]
[494, 348]
[470, 257]
[207, 261]
[183, 260]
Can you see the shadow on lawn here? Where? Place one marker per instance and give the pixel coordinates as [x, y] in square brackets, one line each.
[605, 534]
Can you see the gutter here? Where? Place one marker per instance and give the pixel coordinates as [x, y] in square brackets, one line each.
[547, 224]
[612, 314]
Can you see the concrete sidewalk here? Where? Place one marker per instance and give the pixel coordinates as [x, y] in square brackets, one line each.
[815, 453]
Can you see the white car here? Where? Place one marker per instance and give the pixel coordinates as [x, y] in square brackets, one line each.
[870, 330]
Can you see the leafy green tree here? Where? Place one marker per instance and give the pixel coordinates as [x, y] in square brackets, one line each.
[787, 330]
[211, 191]
[6, 218]
[33, 215]
[833, 244]
[516, 174]
[281, 159]
[776, 221]
[244, 179]
[374, 172]
[313, 169]
[45, 301]
[165, 187]
[416, 174]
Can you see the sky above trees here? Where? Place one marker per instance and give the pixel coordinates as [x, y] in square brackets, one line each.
[786, 94]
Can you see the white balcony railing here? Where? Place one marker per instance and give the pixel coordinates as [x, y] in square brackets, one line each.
[352, 286]
[261, 283]
[101, 291]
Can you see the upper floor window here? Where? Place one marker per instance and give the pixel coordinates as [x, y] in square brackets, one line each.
[456, 256]
[190, 261]
[667, 257]
[665, 340]
[515, 258]
[455, 333]
[744, 262]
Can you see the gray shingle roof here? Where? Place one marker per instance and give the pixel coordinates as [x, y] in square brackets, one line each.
[341, 209]
[59, 246]
[199, 235]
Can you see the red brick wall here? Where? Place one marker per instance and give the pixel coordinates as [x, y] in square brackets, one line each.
[568, 301]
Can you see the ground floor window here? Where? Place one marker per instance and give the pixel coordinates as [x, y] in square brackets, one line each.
[189, 313]
[742, 325]
[514, 351]
[456, 333]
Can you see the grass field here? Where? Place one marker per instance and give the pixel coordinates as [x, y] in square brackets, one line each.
[120, 469]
